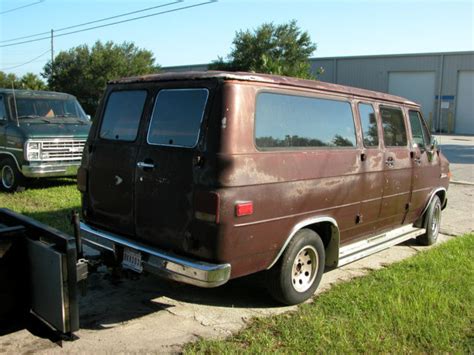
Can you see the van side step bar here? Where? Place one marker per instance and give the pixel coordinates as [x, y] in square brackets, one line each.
[366, 247]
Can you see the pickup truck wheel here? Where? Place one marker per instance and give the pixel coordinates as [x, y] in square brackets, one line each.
[11, 180]
[298, 272]
[431, 223]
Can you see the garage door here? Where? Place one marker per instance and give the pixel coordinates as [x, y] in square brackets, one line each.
[416, 86]
[464, 123]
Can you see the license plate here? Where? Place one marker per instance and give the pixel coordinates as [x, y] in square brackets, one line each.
[132, 260]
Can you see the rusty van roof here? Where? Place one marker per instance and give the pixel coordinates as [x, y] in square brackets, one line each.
[266, 79]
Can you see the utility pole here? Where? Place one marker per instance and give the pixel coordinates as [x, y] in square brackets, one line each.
[52, 54]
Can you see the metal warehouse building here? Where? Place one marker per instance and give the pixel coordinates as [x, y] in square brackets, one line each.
[443, 83]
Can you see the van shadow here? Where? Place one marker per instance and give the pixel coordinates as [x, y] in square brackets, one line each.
[458, 154]
[109, 302]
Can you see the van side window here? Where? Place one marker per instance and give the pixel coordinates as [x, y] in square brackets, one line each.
[177, 117]
[122, 115]
[287, 121]
[369, 125]
[394, 132]
[3, 114]
[419, 130]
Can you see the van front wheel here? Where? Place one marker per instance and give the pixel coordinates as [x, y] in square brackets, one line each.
[11, 179]
[298, 272]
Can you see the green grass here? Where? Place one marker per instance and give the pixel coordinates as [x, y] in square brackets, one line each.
[48, 201]
[424, 304]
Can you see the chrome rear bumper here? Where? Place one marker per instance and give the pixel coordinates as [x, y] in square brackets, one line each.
[158, 262]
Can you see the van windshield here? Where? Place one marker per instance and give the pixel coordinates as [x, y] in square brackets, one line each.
[48, 108]
[177, 117]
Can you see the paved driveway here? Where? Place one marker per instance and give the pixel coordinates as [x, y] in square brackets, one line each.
[460, 152]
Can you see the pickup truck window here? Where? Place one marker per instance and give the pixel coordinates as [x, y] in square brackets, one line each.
[394, 132]
[3, 115]
[287, 121]
[419, 131]
[369, 125]
[177, 117]
[39, 107]
[122, 115]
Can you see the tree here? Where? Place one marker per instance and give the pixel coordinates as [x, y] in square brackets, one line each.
[32, 81]
[84, 72]
[6, 80]
[28, 81]
[275, 49]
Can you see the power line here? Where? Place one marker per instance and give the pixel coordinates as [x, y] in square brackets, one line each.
[15, 63]
[21, 7]
[112, 23]
[28, 62]
[91, 22]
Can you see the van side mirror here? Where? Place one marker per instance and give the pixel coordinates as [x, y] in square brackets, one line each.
[421, 147]
[434, 142]
[88, 117]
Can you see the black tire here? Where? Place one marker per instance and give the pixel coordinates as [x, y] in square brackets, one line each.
[432, 222]
[11, 180]
[295, 277]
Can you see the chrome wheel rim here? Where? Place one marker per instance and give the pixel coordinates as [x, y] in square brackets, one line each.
[8, 177]
[435, 221]
[304, 268]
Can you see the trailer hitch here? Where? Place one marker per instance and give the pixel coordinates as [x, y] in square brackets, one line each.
[82, 263]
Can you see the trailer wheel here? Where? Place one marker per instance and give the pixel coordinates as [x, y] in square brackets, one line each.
[298, 272]
[11, 180]
[431, 223]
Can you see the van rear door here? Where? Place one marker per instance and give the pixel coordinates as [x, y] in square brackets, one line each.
[112, 160]
[165, 166]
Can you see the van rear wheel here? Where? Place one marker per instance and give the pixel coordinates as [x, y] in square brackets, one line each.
[11, 180]
[299, 271]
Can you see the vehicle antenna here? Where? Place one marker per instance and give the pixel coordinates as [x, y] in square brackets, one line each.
[14, 104]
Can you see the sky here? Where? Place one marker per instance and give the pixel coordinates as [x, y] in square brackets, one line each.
[200, 34]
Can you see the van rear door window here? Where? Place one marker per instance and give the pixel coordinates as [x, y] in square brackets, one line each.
[177, 117]
[394, 132]
[287, 121]
[122, 115]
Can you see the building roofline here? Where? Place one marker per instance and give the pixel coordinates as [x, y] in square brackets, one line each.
[370, 56]
[393, 55]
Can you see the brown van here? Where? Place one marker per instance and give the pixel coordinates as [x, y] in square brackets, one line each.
[202, 177]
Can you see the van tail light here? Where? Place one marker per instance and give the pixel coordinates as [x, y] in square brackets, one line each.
[244, 208]
[82, 176]
[206, 206]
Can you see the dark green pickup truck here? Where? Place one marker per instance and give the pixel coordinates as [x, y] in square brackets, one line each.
[42, 134]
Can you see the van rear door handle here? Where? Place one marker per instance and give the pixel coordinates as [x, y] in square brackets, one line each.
[143, 165]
